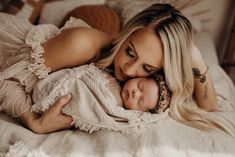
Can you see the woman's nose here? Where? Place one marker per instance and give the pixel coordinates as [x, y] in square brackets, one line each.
[131, 70]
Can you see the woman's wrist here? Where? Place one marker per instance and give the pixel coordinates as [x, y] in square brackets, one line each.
[50, 121]
[31, 121]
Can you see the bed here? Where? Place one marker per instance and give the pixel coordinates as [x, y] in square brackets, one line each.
[166, 138]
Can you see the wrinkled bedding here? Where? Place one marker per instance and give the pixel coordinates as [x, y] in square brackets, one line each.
[166, 138]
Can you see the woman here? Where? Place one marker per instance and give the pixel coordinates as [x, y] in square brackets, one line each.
[159, 37]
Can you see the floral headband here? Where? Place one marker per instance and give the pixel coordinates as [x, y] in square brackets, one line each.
[164, 94]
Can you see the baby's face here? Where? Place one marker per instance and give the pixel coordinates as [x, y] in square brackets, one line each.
[140, 94]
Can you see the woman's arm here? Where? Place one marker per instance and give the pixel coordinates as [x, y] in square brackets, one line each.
[204, 91]
[50, 121]
[74, 47]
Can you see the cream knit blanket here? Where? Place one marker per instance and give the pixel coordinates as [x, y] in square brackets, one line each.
[93, 106]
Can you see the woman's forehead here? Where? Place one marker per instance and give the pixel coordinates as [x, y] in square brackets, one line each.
[148, 46]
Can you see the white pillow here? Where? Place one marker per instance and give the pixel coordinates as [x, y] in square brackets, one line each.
[129, 8]
[54, 12]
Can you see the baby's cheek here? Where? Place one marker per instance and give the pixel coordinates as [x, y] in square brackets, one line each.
[125, 103]
[129, 105]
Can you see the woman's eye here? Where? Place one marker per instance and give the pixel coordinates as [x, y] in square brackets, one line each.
[147, 70]
[130, 52]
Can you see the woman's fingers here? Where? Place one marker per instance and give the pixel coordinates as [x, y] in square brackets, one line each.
[61, 102]
[54, 119]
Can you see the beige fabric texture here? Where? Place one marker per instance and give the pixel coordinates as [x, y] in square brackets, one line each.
[93, 106]
[167, 138]
[21, 61]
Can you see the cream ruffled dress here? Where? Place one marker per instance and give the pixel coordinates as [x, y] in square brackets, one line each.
[21, 61]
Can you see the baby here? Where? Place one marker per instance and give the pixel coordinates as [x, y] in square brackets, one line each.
[143, 94]
[97, 97]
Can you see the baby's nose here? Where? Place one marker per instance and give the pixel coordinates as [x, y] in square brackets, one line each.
[135, 93]
[131, 69]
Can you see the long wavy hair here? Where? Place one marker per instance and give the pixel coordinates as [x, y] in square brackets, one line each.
[175, 31]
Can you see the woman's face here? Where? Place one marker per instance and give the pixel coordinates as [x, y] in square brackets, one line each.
[139, 56]
[140, 94]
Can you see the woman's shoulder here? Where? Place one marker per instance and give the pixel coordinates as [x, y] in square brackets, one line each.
[86, 40]
[89, 35]
[76, 46]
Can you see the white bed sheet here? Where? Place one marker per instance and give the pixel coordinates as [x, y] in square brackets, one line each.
[167, 138]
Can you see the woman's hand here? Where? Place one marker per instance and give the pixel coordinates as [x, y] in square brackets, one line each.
[52, 120]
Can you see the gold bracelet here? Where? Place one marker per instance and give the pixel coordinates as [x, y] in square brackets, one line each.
[198, 75]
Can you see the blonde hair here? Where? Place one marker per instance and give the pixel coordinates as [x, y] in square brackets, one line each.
[175, 32]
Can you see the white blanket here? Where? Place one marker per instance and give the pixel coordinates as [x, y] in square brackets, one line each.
[93, 106]
[167, 138]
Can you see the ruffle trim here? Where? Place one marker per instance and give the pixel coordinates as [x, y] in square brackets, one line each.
[40, 34]
[34, 39]
[90, 127]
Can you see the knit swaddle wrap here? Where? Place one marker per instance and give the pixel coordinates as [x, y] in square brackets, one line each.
[93, 106]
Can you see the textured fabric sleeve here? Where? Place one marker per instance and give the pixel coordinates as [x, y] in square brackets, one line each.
[13, 98]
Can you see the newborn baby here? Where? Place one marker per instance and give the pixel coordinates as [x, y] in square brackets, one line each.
[142, 94]
[97, 97]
